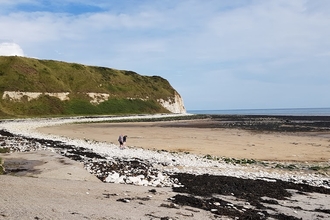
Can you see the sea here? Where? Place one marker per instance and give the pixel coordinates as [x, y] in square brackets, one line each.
[279, 111]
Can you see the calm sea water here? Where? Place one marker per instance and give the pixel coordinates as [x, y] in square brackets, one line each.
[285, 111]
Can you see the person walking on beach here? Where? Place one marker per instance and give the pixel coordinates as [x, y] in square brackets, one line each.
[121, 141]
[124, 140]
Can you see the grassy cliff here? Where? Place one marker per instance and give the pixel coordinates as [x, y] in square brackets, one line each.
[129, 92]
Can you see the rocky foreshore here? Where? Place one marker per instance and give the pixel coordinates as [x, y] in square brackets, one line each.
[246, 191]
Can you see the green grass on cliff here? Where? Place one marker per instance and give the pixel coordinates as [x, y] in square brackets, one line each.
[127, 89]
[33, 75]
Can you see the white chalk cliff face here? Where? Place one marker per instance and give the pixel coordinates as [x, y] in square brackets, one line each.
[17, 96]
[174, 105]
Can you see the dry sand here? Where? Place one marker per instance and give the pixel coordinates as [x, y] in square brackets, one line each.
[202, 141]
[55, 187]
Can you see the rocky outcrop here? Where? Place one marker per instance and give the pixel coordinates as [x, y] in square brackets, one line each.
[97, 98]
[174, 105]
[18, 96]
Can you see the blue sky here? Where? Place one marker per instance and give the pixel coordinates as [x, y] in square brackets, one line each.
[218, 54]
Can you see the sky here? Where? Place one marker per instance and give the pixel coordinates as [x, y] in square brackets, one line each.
[218, 54]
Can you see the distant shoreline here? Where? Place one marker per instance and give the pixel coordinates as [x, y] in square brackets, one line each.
[268, 112]
[274, 123]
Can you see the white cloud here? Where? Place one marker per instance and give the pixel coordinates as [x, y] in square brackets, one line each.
[10, 49]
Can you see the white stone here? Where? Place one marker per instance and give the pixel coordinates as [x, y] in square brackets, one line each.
[121, 179]
[140, 177]
[134, 180]
[112, 178]
[144, 183]
[177, 185]
[155, 183]
[160, 176]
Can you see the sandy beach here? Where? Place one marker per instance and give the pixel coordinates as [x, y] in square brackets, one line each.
[235, 143]
[43, 184]
[55, 187]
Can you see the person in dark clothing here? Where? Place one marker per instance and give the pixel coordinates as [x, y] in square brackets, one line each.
[121, 141]
[124, 140]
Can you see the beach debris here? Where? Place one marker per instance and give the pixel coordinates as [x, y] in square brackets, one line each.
[143, 198]
[152, 191]
[125, 200]
[159, 217]
[171, 205]
[192, 210]
[108, 195]
[186, 215]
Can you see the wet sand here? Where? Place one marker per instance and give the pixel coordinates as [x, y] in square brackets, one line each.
[197, 138]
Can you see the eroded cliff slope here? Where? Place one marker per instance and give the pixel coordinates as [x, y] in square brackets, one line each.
[33, 87]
